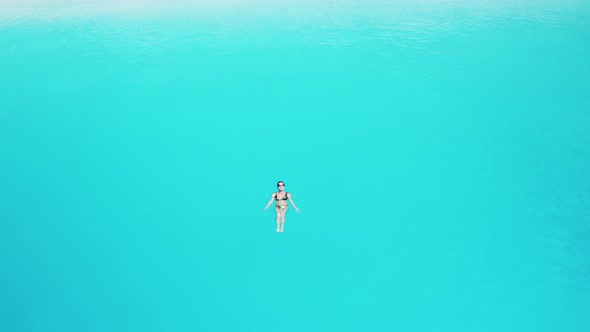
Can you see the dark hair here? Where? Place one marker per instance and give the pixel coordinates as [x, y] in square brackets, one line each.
[280, 183]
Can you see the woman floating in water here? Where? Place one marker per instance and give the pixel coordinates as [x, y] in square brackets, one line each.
[281, 205]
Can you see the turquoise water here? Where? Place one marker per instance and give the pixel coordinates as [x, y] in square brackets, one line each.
[438, 151]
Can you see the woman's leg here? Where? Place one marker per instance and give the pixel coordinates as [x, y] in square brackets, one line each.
[278, 211]
[283, 215]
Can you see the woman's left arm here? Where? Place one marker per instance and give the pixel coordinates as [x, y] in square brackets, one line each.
[292, 203]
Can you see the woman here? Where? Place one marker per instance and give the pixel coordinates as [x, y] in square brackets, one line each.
[281, 206]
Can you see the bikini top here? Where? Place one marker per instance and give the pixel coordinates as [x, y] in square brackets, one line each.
[282, 199]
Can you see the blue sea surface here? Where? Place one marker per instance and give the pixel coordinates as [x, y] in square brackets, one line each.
[439, 152]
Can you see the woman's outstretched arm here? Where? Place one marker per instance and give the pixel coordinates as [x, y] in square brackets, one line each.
[292, 203]
[272, 197]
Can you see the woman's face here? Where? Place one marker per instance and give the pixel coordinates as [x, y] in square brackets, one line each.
[281, 186]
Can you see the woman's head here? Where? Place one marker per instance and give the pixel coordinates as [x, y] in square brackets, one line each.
[280, 184]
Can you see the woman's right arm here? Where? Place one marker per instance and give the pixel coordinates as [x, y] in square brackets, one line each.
[272, 197]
